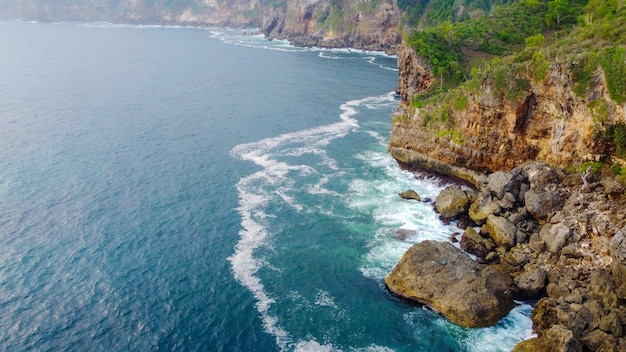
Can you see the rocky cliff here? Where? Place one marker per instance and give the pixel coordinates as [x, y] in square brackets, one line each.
[362, 25]
[513, 129]
[490, 128]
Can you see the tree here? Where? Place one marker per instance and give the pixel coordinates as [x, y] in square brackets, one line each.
[558, 10]
[447, 30]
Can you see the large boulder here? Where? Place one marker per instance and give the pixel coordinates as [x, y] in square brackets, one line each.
[452, 202]
[557, 339]
[449, 281]
[541, 205]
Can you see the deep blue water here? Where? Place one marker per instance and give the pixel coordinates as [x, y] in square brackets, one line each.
[205, 190]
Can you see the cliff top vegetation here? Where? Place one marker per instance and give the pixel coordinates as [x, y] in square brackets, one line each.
[512, 46]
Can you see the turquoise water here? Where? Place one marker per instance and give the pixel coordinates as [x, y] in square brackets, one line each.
[202, 189]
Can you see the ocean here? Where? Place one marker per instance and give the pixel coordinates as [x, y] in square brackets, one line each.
[205, 189]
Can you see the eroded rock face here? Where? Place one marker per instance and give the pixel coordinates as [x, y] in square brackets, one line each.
[549, 123]
[302, 23]
[443, 277]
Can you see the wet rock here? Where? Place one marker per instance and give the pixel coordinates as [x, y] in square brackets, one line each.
[443, 277]
[452, 202]
[410, 194]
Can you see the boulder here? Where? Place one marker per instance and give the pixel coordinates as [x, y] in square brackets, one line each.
[452, 202]
[449, 281]
[410, 194]
[531, 283]
[499, 183]
[555, 236]
[618, 266]
[557, 339]
[482, 208]
[501, 230]
[542, 205]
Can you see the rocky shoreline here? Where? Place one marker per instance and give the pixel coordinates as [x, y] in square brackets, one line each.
[558, 239]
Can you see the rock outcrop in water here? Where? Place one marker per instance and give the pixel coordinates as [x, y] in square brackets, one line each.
[443, 277]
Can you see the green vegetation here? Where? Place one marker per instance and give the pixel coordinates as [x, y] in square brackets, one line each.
[453, 135]
[504, 45]
[613, 61]
[539, 65]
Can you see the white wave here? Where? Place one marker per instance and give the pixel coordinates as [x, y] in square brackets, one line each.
[259, 188]
[289, 200]
[319, 188]
[105, 25]
[515, 327]
[253, 39]
[324, 299]
[324, 55]
[313, 346]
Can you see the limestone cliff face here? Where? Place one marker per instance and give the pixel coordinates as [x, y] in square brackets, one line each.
[548, 122]
[361, 25]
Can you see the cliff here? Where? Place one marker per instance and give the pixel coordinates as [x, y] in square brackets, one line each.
[489, 128]
[542, 134]
[325, 23]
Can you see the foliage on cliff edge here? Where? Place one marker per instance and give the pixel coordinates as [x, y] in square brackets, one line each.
[512, 48]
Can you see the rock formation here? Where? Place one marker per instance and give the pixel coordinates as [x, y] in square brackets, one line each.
[335, 25]
[561, 241]
[546, 122]
[443, 277]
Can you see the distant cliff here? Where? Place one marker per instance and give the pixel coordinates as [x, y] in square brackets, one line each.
[329, 23]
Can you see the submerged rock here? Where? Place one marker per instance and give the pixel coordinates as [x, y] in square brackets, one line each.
[449, 281]
[403, 234]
